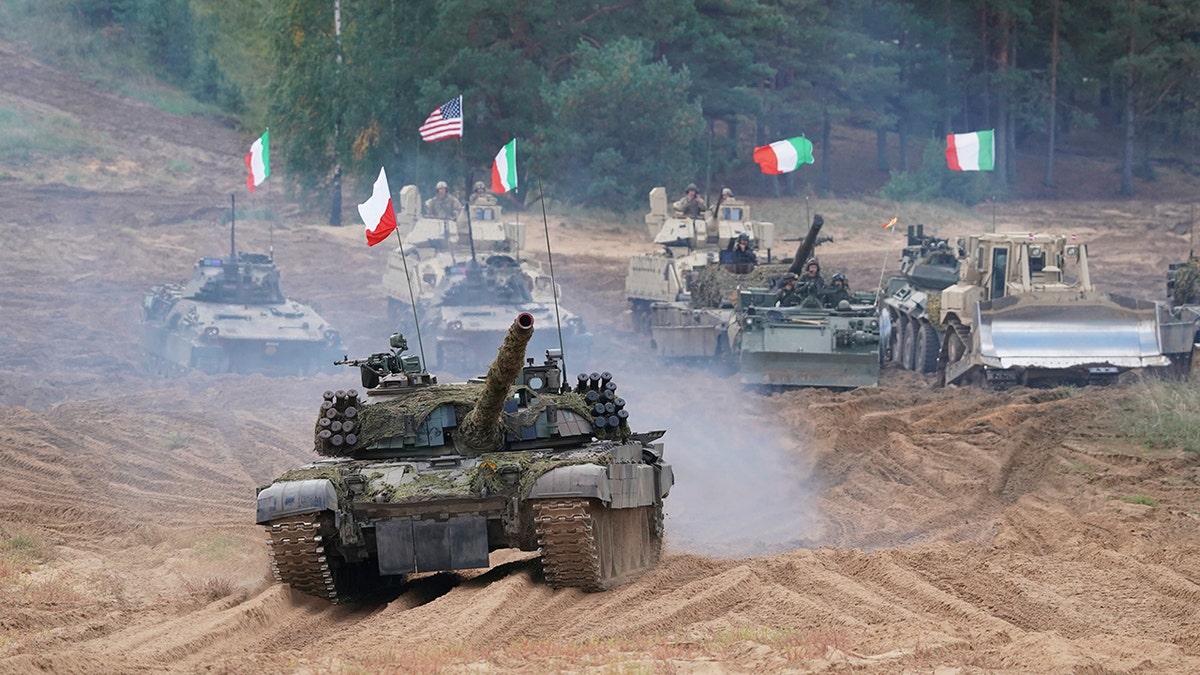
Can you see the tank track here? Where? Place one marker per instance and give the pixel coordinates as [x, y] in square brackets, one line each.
[298, 556]
[593, 548]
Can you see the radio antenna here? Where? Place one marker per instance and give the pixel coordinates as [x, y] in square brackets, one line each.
[413, 301]
[553, 284]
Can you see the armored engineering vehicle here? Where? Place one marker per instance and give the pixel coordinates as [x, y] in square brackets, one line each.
[824, 340]
[232, 316]
[468, 279]
[658, 285]
[419, 477]
[1025, 311]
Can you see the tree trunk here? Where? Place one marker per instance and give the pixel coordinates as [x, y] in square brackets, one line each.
[1127, 115]
[826, 139]
[1052, 114]
[881, 159]
[335, 206]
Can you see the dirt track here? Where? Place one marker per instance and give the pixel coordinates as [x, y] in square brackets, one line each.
[898, 528]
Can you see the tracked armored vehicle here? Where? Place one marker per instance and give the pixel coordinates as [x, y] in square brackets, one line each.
[232, 316]
[425, 477]
[815, 337]
[468, 280]
[1025, 311]
[659, 285]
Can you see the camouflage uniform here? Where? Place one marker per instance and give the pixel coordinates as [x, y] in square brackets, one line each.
[444, 206]
[691, 205]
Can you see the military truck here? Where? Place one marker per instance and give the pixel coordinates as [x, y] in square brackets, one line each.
[467, 279]
[1025, 311]
[420, 477]
[687, 245]
[824, 339]
[232, 316]
[1180, 321]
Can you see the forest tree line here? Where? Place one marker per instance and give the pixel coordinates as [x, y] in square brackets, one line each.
[610, 97]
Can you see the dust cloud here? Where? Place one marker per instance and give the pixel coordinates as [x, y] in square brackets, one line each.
[743, 484]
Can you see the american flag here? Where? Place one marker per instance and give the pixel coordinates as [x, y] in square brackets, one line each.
[444, 122]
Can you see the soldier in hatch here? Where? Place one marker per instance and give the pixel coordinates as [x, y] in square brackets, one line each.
[444, 205]
[836, 291]
[741, 256]
[788, 295]
[692, 204]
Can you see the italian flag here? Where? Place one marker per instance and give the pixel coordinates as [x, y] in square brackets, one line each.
[784, 156]
[504, 169]
[377, 212]
[258, 161]
[975, 151]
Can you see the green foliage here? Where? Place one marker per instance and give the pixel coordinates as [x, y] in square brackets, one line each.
[620, 123]
[1164, 415]
[933, 180]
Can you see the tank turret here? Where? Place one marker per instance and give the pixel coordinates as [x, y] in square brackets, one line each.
[481, 429]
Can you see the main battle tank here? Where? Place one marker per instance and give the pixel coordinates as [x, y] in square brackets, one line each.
[424, 477]
[468, 280]
[232, 316]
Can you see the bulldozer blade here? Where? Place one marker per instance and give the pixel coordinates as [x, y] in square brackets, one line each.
[1056, 331]
[836, 370]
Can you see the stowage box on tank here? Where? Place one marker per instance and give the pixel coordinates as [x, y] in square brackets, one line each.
[425, 477]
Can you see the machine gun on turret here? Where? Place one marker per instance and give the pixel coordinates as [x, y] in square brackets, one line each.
[378, 367]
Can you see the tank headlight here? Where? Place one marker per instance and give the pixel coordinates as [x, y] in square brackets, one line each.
[212, 331]
[1035, 251]
[1072, 250]
[874, 324]
[454, 325]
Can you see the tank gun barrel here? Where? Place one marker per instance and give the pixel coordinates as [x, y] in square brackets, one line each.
[804, 252]
[481, 427]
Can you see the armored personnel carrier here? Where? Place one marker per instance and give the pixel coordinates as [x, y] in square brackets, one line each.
[424, 477]
[467, 280]
[1025, 311]
[688, 245]
[815, 337]
[911, 300]
[232, 316]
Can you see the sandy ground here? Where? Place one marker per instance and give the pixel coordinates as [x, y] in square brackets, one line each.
[898, 528]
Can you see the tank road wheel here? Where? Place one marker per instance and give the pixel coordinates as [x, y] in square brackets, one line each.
[928, 347]
[589, 546]
[907, 342]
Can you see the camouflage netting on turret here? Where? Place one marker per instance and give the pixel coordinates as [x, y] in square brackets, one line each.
[713, 286]
[400, 417]
[1186, 290]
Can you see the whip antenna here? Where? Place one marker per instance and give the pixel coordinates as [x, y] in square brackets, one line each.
[413, 301]
[553, 283]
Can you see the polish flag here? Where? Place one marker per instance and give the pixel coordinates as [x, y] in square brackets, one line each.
[377, 212]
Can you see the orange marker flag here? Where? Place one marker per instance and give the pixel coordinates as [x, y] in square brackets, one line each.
[891, 222]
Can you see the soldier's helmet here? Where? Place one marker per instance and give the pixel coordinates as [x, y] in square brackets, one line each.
[743, 237]
[838, 278]
[790, 276]
[441, 184]
[479, 186]
[812, 262]
[726, 192]
[692, 188]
